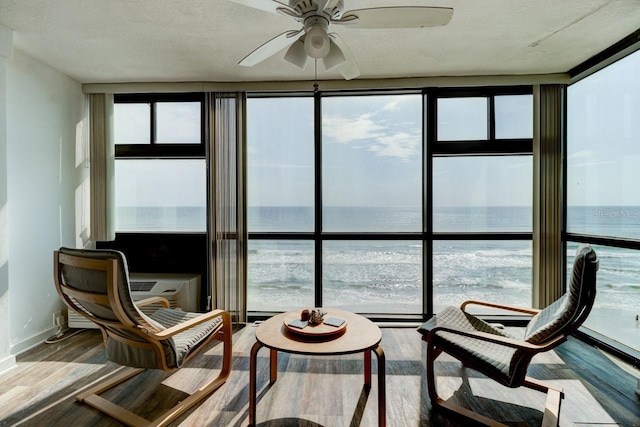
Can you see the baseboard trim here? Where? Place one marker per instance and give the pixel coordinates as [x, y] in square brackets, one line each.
[7, 363]
[33, 341]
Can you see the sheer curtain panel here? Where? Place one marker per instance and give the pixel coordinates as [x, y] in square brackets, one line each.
[547, 199]
[228, 210]
[102, 163]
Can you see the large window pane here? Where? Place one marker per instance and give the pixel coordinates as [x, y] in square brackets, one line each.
[373, 276]
[482, 194]
[280, 164]
[603, 152]
[617, 306]
[498, 271]
[514, 116]
[461, 119]
[160, 195]
[132, 123]
[280, 275]
[372, 163]
[178, 123]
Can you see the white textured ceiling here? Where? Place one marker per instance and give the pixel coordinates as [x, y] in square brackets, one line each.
[97, 41]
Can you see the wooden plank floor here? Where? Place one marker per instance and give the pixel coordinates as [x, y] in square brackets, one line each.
[316, 391]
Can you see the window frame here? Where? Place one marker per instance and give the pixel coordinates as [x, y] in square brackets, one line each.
[579, 73]
[430, 148]
[489, 147]
[153, 149]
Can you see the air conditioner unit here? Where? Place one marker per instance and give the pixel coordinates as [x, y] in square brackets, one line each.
[182, 291]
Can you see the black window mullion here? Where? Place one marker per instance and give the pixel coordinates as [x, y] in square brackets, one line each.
[431, 134]
[491, 105]
[317, 138]
[152, 123]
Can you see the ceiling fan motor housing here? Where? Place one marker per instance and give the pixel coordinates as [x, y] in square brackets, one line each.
[307, 8]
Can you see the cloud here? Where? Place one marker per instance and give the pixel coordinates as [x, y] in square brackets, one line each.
[402, 145]
[379, 135]
[345, 130]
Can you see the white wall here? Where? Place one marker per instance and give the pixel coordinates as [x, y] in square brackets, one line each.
[45, 113]
[6, 51]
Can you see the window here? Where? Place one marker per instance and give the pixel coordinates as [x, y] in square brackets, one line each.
[603, 201]
[160, 195]
[489, 270]
[371, 192]
[482, 186]
[369, 184]
[281, 203]
[339, 214]
[372, 163]
[160, 167]
[461, 119]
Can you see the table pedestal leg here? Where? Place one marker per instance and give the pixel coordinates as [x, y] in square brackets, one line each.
[382, 388]
[273, 366]
[252, 382]
[367, 368]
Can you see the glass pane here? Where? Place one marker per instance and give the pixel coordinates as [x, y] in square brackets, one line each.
[514, 116]
[603, 152]
[372, 163]
[132, 123]
[497, 271]
[617, 306]
[160, 195]
[373, 276]
[178, 123]
[280, 275]
[280, 164]
[482, 194]
[461, 119]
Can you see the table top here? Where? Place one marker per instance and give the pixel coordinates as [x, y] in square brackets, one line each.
[360, 334]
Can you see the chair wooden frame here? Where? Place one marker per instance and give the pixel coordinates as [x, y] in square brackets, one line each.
[150, 338]
[554, 394]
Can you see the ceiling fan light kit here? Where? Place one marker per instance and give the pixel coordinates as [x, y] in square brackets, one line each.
[317, 42]
[297, 54]
[334, 58]
[316, 39]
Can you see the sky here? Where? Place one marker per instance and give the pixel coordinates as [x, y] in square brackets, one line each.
[372, 153]
[371, 150]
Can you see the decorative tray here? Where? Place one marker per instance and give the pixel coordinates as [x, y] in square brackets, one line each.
[320, 330]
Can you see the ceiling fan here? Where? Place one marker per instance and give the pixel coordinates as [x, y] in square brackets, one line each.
[315, 41]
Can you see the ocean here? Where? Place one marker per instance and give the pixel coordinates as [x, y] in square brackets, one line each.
[378, 276]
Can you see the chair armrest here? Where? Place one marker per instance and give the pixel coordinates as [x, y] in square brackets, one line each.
[496, 339]
[531, 311]
[153, 300]
[204, 317]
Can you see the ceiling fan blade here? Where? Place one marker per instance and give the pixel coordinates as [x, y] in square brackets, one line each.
[273, 6]
[397, 17]
[269, 48]
[348, 69]
[330, 4]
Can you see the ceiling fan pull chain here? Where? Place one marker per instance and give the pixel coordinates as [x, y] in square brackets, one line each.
[315, 76]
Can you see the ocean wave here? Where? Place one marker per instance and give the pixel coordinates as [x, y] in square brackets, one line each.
[631, 287]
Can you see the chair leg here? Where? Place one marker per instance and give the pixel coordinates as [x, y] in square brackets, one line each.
[437, 402]
[91, 396]
[432, 355]
[225, 335]
[555, 395]
[551, 415]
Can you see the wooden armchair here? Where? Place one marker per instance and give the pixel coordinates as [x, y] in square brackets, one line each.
[95, 283]
[501, 357]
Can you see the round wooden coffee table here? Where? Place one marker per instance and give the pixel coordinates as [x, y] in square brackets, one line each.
[359, 335]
